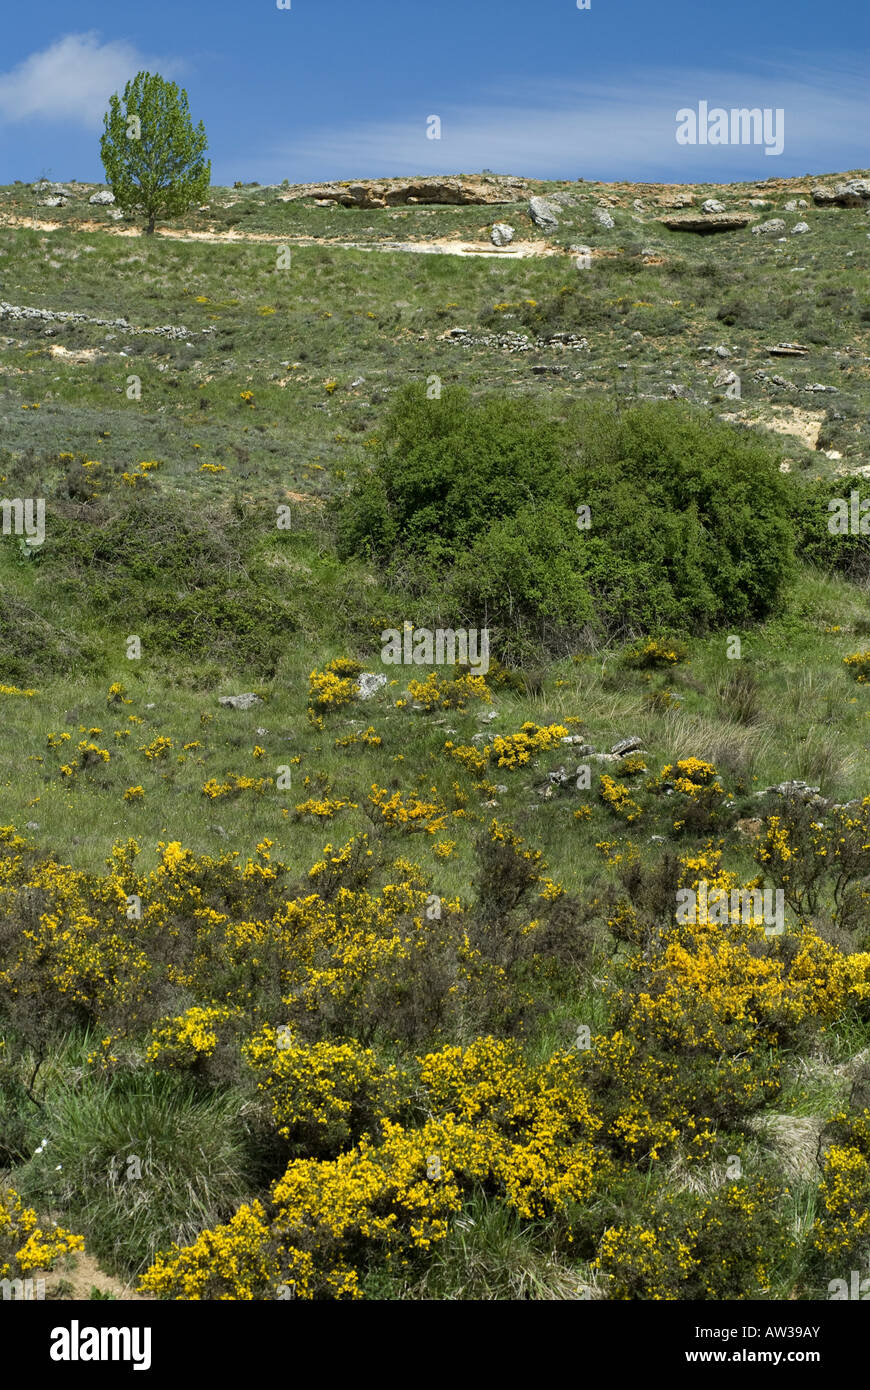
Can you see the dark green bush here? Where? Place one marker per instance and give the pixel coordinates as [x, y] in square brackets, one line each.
[847, 554]
[479, 504]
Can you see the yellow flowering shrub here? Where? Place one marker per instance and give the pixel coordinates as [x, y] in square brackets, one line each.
[184, 1041]
[332, 688]
[653, 653]
[842, 1225]
[409, 812]
[474, 760]
[858, 666]
[24, 1246]
[324, 807]
[434, 693]
[216, 790]
[234, 1262]
[321, 1096]
[513, 750]
[619, 799]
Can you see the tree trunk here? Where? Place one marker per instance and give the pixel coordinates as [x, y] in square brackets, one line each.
[149, 230]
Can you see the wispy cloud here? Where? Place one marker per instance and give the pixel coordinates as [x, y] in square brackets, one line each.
[72, 79]
[623, 129]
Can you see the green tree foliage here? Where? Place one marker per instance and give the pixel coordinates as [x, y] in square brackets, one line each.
[152, 153]
[688, 524]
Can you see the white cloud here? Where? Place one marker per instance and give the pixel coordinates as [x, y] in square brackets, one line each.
[621, 130]
[72, 79]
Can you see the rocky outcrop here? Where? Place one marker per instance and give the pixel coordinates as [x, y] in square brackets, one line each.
[708, 223]
[852, 194]
[385, 193]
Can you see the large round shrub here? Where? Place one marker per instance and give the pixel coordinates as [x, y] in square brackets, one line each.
[689, 518]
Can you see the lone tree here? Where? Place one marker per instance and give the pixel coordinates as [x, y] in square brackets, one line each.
[153, 155]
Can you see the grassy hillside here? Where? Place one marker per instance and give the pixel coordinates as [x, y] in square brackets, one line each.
[418, 887]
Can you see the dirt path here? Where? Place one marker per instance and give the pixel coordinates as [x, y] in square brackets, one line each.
[443, 246]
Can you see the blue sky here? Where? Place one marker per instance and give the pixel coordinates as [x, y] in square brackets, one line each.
[344, 88]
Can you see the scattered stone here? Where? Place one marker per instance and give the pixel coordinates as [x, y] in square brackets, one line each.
[677, 392]
[722, 351]
[31, 825]
[514, 342]
[788, 350]
[20, 311]
[543, 214]
[46, 186]
[241, 701]
[603, 218]
[799, 228]
[102, 199]
[712, 205]
[369, 683]
[816, 386]
[802, 791]
[559, 778]
[605, 757]
[52, 202]
[502, 234]
[758, 203]
[638, 205]
[623, 746]
[770, 228]
[791, 205]
[544, 369]
[725, 379]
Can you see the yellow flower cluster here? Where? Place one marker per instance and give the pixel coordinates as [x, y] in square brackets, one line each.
[474, 760]
[158, 748]
[409, 812]
[181, 1042]
[858, 666]
[331, 688]
[324, 807]
[513, 750]
[433, 693]
[23, 1245]
[368, 737]
[323, 1093]
[619, 799]
[214, 789]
